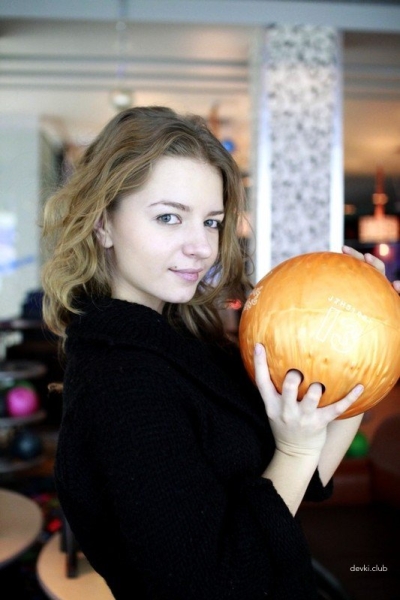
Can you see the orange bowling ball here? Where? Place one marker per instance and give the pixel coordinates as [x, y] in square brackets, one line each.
[332, 317]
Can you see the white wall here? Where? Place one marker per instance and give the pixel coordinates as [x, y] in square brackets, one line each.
[19, 211]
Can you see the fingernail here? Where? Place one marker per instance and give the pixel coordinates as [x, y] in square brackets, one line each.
[358, 389]
[258, 349]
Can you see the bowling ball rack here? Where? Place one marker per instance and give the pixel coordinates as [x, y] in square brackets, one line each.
[10, 427]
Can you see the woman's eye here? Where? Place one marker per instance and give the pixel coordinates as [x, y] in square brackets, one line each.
[213, 223]
[169, 219]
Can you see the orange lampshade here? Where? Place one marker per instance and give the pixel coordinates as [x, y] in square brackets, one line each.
[380, 227]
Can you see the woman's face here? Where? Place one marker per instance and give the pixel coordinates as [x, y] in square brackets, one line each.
[164, 238]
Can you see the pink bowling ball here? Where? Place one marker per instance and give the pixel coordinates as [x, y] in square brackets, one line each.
[22, 401]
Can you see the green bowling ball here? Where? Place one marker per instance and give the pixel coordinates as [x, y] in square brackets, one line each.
[359, 446]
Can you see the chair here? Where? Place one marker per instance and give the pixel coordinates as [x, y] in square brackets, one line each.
[70, 547]
[55, 582]
[329, 587]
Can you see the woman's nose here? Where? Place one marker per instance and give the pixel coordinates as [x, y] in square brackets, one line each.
[198, 244]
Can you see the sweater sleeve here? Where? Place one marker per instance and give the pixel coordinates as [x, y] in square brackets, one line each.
[316, 491]
[190, 536]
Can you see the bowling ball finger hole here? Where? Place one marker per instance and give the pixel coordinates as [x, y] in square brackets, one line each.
[298, 373]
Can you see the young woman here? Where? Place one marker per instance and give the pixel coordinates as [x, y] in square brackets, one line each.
[179, 477]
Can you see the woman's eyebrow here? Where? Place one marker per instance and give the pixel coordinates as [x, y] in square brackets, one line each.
[172, 204]
[183, 207]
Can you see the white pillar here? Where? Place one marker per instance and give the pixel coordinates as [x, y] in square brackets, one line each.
[297, 165]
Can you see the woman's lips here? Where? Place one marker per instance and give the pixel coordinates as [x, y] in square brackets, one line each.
[188, 274]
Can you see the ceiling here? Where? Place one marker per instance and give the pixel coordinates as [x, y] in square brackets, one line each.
[63, 70]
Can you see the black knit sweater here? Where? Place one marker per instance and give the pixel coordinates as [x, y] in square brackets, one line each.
[159, 461]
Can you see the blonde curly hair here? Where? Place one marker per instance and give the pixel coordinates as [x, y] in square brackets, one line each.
[118, 162]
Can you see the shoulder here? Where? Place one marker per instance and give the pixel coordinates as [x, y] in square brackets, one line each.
[126, 380]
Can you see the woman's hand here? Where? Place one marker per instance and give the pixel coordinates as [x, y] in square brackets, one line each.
[299, 428]
[371, 260]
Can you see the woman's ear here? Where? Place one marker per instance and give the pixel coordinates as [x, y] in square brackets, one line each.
[103, 234]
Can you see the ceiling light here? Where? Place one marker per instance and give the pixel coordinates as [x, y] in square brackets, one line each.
[379, 228]
[121, 96]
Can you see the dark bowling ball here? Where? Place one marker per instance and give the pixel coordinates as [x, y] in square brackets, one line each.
[26, 445]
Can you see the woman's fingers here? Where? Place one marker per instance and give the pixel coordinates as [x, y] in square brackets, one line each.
[311, 398]
[352, 252]
[261, 366]
[336, 409]
[372, 260]
[286, 408]
[275, 403]
[290, 389]
[264, 383]
[291, 383]
[396, 285]
[375, 262]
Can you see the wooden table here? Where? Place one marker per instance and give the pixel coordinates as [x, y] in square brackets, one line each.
[21, 521]
[51, 573]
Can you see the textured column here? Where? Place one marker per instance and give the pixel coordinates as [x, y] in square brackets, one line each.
[297, 143]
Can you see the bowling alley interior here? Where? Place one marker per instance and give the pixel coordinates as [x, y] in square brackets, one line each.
[67, 69]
